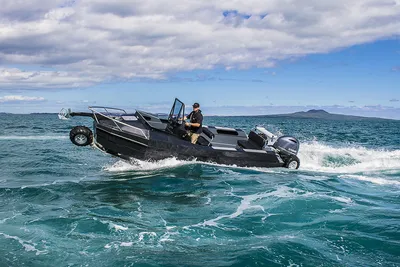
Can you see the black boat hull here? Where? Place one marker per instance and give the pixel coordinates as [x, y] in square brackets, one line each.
[161, 146]
[148, 136]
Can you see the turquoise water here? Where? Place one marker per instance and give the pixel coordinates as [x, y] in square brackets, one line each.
[61, 205]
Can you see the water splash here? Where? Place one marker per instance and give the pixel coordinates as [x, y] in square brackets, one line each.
[140, 165]
[315, 156]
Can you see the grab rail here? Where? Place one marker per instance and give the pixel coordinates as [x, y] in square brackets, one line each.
[92, 108]
[115, 121]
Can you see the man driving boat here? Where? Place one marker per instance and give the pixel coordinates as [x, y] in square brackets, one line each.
[194, 127]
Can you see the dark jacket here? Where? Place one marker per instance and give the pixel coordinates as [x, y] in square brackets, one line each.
[196, 117]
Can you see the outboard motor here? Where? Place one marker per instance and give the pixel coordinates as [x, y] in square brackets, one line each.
[288, 148]
[287, 145]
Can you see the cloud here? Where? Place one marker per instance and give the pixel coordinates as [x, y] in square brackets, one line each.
[20, 99]
[82, 43]
[396, 68]
[15, 78]
[394, 100]
[17, 10]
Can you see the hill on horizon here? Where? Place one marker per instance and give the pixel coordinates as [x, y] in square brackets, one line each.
[322, 114]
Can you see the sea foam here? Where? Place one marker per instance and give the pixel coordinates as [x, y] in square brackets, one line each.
[315, 156]
[140, 165]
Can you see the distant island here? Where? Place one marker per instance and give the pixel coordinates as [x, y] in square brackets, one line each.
[321, 114]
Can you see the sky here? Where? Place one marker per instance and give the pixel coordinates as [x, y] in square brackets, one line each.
[242, 57]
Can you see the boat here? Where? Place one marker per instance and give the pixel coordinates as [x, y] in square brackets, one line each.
[148, 136]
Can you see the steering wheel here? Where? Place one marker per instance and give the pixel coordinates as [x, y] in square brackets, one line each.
[174, 123]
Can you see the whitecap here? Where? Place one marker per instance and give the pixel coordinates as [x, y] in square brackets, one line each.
[375, 180]
[126, 244]
[118, 227]
[112, 225]
[346, 200]
[27, 245]
[149, 234]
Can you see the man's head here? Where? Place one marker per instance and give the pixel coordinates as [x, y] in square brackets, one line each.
[196, 106]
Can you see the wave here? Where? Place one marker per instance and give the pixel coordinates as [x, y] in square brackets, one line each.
[315, 156]
[140, 165]
[27, 245]
[374, 180]
[112, 226]
[17, 127]
[32, 137]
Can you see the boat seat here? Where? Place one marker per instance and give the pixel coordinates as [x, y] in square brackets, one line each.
[254, 142]
[207, 132]
[203, 141]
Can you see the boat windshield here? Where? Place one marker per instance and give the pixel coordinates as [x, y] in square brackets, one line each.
[177, 111]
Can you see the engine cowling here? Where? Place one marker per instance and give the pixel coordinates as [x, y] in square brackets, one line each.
[287, 145]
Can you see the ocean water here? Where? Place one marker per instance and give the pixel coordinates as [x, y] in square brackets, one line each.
[62, 205]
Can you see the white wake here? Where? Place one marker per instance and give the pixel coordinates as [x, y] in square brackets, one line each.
[315, 156]
[352, 162]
